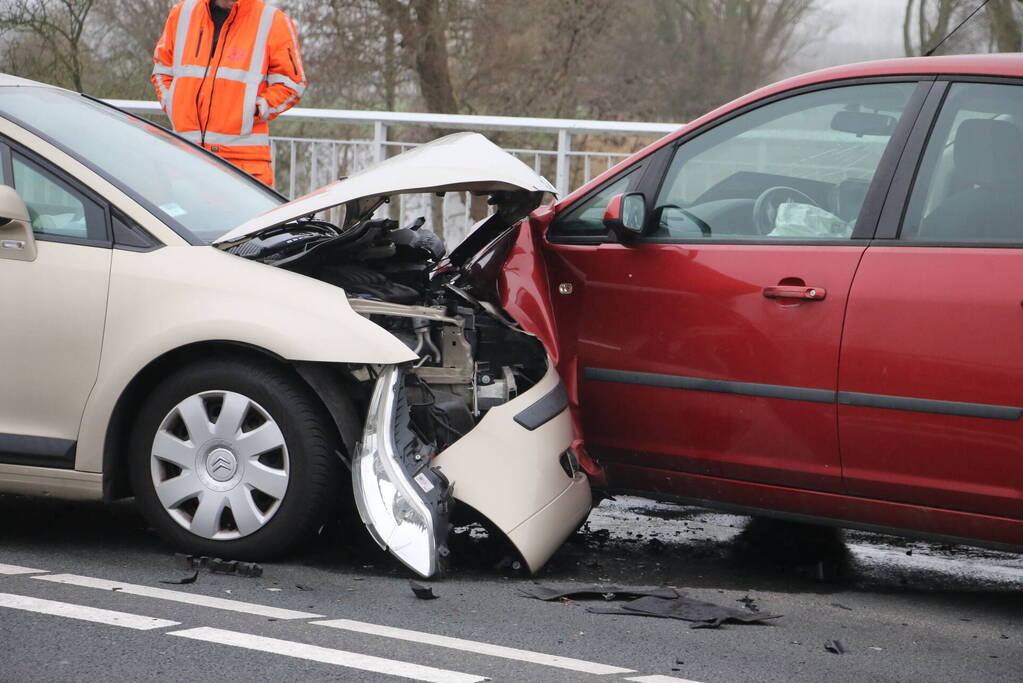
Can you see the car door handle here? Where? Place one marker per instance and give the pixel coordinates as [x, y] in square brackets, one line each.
[790, 292]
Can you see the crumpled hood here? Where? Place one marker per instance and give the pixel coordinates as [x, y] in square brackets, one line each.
[461, 162]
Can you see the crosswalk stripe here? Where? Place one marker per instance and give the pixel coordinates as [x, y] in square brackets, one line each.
[13, 569]
[82, 612]
[659, 679]
[326, 655]
[179, 596]
[474, 647]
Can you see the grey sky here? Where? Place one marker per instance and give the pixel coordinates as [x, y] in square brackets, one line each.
[862, 30]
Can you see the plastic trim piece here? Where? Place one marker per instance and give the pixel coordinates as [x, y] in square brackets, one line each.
[848, 398]
[717, 386]
[544, 410]
[926, 405]
[37, 451]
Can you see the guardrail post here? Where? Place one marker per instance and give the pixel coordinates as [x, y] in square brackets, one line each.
[379, 154]
[379, 140]
[561, 173]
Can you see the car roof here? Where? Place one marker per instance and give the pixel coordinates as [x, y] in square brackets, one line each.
[998, 64]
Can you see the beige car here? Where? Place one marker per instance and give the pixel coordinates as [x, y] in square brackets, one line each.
[175, 331]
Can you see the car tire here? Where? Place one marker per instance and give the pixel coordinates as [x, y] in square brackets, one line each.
[234, 459]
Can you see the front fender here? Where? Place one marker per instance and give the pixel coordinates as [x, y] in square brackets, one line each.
[175, 296]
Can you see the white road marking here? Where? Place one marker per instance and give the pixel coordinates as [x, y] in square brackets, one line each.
[475, 647]
[83, 613]
[179, 596]
[15, 569]
[659, 679]
[326, 655]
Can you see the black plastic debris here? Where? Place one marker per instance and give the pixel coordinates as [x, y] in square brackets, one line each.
[422, 592]
[218, 566]
[302, 587]
[835, 647]
[667, 603]
[749, 603]
[186, 579]
[701, 614]
[605, 592]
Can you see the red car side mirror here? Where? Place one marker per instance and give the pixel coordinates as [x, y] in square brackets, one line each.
[626, 215]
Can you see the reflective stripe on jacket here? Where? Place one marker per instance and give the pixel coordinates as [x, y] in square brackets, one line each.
[211, 99]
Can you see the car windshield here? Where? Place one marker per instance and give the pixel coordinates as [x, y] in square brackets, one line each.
[186, 187]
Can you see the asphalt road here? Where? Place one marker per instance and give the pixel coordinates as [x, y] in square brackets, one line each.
[81, 599]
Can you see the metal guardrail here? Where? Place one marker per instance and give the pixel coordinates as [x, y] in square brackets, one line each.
[378, 145]
[303, 164]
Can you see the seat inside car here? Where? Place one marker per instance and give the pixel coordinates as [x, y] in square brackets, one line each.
[985, 157]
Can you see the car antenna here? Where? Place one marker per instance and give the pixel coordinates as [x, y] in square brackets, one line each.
[949, 34]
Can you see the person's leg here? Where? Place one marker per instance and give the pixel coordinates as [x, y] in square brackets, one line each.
[260, 170]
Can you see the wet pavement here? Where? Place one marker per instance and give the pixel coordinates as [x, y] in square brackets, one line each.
[899, 610]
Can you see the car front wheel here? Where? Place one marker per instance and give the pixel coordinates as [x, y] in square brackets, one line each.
[234, 459]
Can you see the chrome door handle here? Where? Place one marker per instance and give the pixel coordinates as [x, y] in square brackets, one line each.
[790, 292]
[13, 244]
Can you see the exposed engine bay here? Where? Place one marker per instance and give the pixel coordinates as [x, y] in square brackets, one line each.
[472, 358]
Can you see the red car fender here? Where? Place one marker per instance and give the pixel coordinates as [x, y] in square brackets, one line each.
[525, 295]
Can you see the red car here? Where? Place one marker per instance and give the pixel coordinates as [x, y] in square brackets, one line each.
[805, 304]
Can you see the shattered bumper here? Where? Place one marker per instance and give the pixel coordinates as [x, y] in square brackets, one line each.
[515, 467]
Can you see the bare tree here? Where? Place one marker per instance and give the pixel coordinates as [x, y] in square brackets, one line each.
[423, 27]
[56, 26]
[125, 57]
[925, 23]
[1004, 19]
[680, 58]
[996, 27]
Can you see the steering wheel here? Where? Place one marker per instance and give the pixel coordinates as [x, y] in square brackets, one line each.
[765, 208]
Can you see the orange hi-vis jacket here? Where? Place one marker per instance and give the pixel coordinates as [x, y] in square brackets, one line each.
[211, 99]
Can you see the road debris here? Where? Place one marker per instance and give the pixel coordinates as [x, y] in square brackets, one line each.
[217, 565]
[422, 592]
[184, 580]
[749, 603]
[702, 614]
[835, 647]
[667, 603]
[593, 591]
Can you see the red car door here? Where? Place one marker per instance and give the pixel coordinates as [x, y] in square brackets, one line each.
[931, 375]
[708, 348]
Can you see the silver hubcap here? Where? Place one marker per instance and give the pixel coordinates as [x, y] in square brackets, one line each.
[220, 465]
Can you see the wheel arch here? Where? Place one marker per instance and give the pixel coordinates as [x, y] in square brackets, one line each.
[331, 383]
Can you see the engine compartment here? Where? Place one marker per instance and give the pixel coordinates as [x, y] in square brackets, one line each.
[472, 357]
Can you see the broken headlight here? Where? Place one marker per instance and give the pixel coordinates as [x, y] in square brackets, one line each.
[402, 500]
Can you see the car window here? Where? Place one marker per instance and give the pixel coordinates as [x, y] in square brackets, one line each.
[587, 218]
[174, 179]
[54, 207]
[798, 168]
[969, 187]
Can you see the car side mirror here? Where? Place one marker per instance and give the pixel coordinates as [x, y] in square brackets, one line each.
[16, 240]
[626, 215]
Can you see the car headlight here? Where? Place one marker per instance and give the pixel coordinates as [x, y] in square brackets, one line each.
[402, 500]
